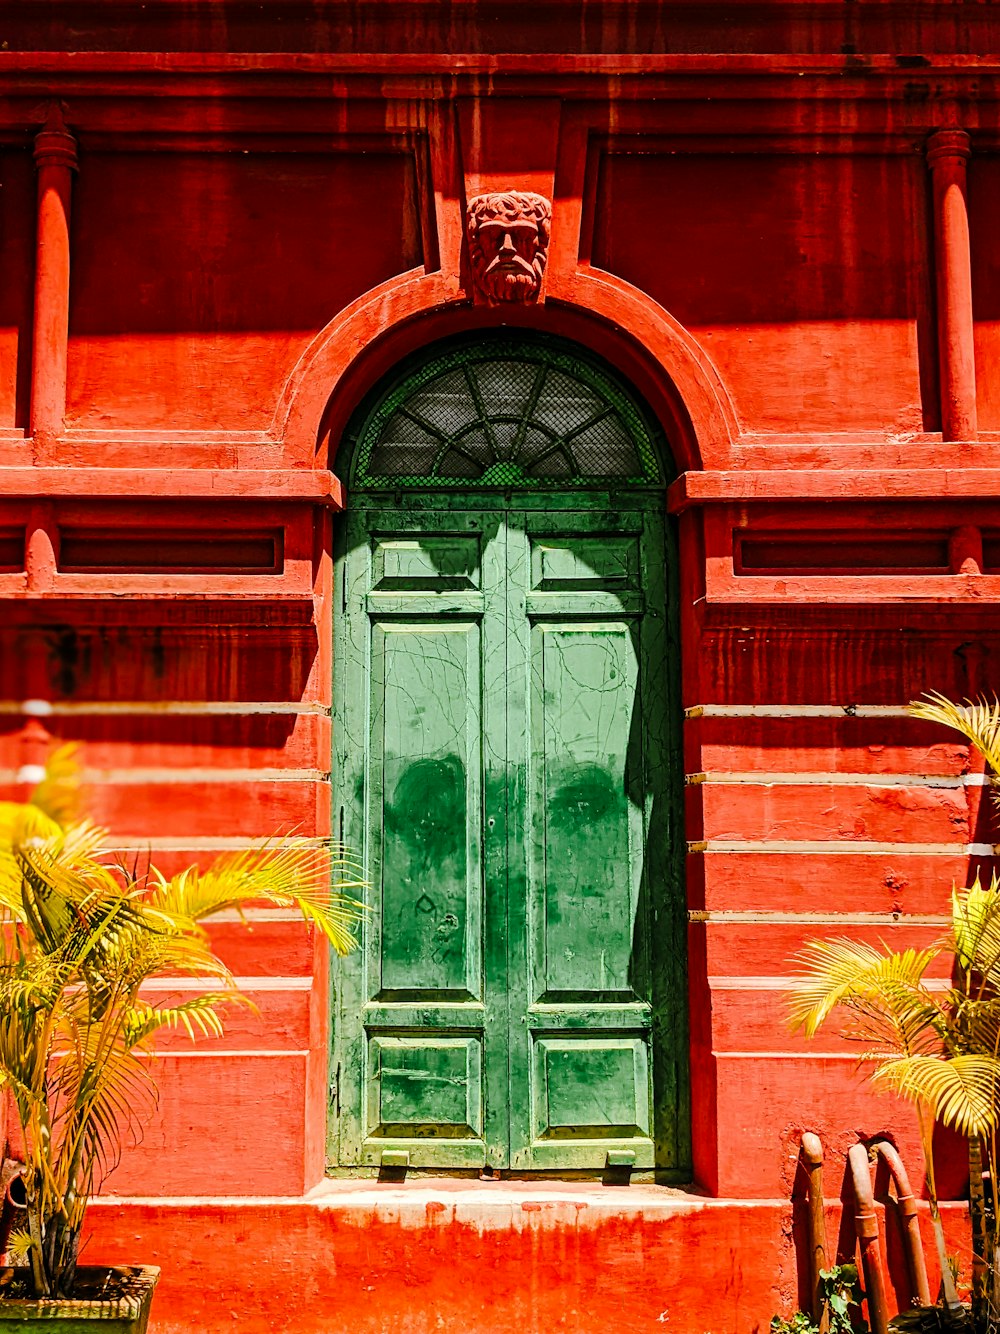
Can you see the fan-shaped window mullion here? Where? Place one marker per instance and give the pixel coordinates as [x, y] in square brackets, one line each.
[558, 447]
[440, 456]
[422, 422]
[528, 413]
[570, 436]
[509, 410]
[456, 447]
[484, 420]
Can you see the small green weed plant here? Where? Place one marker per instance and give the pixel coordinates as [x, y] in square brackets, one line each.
[841, 1292]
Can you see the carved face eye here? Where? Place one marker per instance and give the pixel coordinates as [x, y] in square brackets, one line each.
[508, 241]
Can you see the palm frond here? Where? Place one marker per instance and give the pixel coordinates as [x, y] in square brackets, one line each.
[289, 872]
[198, 1016]
[82, 844]
[51, 914]
[960, 1091]
[19, 1246]
[978, 721]
[851, 973]
[20, 821]
[27, 835]
[976, 926]
[156, 952]
[899, 1020]
[11, 904]
[35, 987]
[976, 1024]
[100, 1093]
[60, 878]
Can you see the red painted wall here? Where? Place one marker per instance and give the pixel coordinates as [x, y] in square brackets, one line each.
[223, 267]
[266, 217]
[810, 297]
[398, 1263]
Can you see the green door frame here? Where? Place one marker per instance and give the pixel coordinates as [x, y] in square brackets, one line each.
[523, 1024]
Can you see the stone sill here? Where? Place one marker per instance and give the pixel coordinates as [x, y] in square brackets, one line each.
[421, 1201]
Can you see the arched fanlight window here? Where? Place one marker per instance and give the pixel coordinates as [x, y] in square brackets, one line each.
[509, 410]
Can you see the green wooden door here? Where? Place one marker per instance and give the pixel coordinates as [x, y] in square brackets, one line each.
[585, 742]
[503, 758]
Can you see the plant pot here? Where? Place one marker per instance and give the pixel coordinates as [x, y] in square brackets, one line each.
[931, 1320]
[126, 1314]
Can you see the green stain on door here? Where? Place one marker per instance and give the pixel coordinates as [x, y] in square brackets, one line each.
[424, 871]
[505, 756]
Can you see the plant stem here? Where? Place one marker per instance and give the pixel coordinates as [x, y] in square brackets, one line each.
[951, 1299]
[39, 1278]
[980, 1248]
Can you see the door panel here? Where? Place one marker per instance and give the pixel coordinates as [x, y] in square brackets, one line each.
[419, 598]
[501, 757]
[586, 1087]
[579, 1074]
[426, 564]
[426, 805]
[584, 838]
[579, 563]
[416, 1085]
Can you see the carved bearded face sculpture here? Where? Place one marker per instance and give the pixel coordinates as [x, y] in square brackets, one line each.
[508, 242]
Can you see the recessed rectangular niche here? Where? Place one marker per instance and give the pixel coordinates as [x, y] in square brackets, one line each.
[590, 1087]
[169, 551]
[884, 553]
[11, 550]
[991, 553]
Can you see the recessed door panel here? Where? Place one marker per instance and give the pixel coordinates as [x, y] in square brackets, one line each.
[427, 804]
[425, 1086]
[572, 561]
[586, 833]
[591, 1088]
[431, 562]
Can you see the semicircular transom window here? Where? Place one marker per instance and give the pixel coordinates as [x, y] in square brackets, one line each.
[509, 413]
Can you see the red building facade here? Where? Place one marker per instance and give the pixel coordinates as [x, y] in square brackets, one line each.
[229, 235]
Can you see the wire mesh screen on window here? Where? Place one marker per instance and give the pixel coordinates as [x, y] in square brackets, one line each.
[506, 414]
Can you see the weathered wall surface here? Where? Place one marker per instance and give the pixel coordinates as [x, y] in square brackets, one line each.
[220, 225]
[398, 1261]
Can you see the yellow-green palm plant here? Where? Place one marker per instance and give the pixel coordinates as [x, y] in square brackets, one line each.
[79, 937]
[979, 723]
[884, 1000]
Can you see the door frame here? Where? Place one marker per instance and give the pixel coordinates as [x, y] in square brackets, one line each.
[670, 1075]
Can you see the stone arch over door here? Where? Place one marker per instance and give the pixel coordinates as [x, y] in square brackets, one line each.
[640, 339]
[506, 760]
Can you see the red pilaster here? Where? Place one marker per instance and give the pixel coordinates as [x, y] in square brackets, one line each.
[55, 156]
[947, 153]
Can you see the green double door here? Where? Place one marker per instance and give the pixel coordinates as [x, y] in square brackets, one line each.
[503, 758]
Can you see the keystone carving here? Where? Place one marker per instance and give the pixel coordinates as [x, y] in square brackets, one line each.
[508, 236]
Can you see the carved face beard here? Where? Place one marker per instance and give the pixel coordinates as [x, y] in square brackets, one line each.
[501, 282]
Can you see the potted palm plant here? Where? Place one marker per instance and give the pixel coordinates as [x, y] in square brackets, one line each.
[80, 936]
